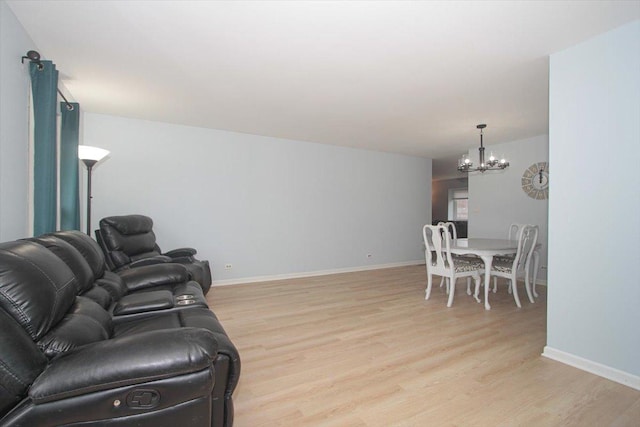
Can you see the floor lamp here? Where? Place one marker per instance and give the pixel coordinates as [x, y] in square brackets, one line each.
[90, 156]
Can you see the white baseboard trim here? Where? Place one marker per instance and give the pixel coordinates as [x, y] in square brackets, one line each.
[255, 279]
[596, 368]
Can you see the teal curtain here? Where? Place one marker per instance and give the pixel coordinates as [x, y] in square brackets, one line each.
[69, 167]
[44, 86]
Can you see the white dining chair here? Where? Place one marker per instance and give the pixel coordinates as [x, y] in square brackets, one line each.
[514, 234]
[453, 233]
[440, 262]
[516, 267]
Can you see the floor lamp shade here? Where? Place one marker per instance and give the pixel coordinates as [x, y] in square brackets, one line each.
[90, 156]
[86, 152]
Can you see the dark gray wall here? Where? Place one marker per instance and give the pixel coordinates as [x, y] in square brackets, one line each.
[440, 195]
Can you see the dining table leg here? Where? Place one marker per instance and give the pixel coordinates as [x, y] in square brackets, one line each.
[488, 261]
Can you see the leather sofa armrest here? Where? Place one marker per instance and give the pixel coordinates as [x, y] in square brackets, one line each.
[124, 361]
[154, 260]
[154, 275]
[143, 302]
[180, 252]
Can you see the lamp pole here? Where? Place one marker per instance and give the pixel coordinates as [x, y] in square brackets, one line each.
[90, 156]
[89, 164]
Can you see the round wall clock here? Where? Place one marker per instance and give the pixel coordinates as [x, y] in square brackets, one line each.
[535, 181]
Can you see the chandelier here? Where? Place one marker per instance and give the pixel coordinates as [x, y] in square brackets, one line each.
[466, 165]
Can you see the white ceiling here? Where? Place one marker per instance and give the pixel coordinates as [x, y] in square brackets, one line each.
[406, 77]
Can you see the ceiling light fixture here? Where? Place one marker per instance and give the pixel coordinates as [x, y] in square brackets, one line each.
[466, 165]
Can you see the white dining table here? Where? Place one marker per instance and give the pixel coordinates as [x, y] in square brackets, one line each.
[486, 249]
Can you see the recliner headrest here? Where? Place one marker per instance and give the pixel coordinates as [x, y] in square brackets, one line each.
[129, 224]
[125, 237]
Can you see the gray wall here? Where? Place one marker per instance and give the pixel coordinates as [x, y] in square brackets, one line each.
[496, 198]
[268, 206]
[14, 127]
[594, 211]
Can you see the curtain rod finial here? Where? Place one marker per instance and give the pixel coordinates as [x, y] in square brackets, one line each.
[32, 56]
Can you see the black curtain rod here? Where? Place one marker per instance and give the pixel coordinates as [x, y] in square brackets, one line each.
[34, 56]
[69, 106]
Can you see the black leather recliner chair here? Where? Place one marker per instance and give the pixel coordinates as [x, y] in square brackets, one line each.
[92, 316]
[129, 241]
[63, 362]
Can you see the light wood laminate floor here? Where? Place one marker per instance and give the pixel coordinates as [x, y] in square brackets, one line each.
[366, 349]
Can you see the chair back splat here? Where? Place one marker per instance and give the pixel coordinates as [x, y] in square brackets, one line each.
[514, 231]
[526, 244]
[451, 228]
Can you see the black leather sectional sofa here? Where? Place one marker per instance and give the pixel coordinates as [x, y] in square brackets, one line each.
[81, 345]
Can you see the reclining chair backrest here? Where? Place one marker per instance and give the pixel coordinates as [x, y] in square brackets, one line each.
[36, 286]
[85, 259]
[20, 362]
[74, 260]
[88, 247]
[38, 290]
[94, 257]
[127, 238]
